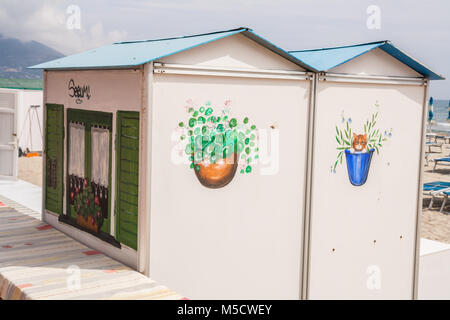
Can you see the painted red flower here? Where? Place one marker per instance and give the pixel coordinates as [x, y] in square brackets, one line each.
[72, 195]
[77, 190]
[91, 220]
[99, 214]
[85, 182]
[87, 202]
[97, 200]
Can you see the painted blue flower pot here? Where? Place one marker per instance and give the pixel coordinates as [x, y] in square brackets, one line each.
[358, 165]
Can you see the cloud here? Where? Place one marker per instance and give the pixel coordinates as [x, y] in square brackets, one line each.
[46, 22]
[418, 27]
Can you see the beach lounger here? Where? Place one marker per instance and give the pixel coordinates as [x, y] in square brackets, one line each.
[431, 136]
[434, 189]
[427, 160]
[434, 144]
[445, 193]
[442, 137]
[444, 160]
[434, 137]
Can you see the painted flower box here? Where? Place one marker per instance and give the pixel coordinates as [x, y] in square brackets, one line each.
[358, 165]
[89, 224]
[89, 203]
[219, 174]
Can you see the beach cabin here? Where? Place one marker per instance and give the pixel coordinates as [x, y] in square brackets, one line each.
[185, 158]
[224, 167]
[364, 196]
[20, 121]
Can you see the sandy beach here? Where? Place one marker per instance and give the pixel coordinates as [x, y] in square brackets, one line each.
[436, 225]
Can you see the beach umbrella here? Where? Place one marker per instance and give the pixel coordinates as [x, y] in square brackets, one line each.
[448, 118]
[430, 109]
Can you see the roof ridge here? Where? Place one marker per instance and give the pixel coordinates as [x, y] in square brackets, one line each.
[339, 47]
[184, 37]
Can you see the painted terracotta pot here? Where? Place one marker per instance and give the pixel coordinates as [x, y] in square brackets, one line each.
[217, 175]
[358, 165]
[87, 224]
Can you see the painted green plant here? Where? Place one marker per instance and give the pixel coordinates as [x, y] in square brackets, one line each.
[373, 136]
[87, 204]
[213, 136]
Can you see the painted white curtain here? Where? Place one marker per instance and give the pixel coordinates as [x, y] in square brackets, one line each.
[76, 152]
[100, 156]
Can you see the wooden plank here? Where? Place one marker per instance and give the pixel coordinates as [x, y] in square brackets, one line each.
[126, 142]
[127, 177]
[35, 260]
[130, 132]
[130, 188]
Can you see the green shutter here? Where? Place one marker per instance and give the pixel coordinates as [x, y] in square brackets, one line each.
[54, 144]
[127, 177]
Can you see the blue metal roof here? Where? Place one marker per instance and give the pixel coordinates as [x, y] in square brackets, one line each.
[134, 53]
[329, 58]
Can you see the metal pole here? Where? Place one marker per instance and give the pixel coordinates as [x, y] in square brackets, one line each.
[372, 77]
[30, 116]
[419, 194]
[167, 66]
[44, 145]
[37, 117]
[308, 190]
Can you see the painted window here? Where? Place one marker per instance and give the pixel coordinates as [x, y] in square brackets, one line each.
[88, 176]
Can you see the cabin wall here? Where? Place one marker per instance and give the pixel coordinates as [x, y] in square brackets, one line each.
[8, 130]
[376, 62]
[26, 98]
[232, 52]
[27, 134]
[108, 91]
[363, 237]
[243, 240]
[434, 275]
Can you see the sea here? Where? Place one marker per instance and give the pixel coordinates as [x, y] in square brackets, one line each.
[441, 114]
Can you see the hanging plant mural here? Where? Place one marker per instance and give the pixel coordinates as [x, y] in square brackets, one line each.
[218, 144]
[358, 147]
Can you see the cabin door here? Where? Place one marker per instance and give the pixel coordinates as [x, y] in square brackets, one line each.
[8, 136]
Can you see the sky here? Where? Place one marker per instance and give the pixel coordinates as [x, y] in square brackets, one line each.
[421, 28]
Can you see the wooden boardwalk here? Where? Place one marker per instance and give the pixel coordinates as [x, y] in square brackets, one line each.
[40, 262]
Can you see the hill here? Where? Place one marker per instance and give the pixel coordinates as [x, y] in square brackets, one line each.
[17, 55]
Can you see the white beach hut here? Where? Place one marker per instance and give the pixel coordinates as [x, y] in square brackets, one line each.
[364, 195]
[184, 158]
[20, 121]
[224, 167]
